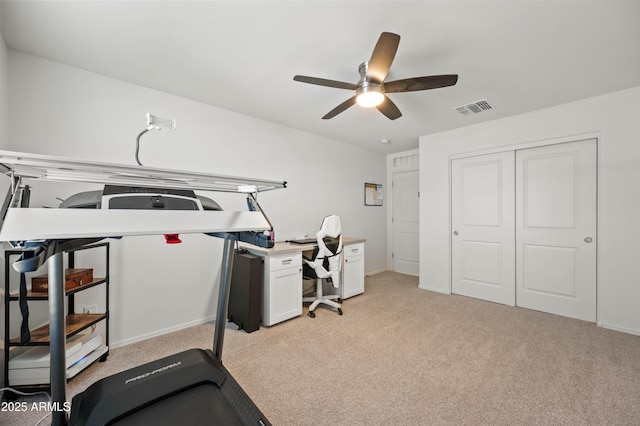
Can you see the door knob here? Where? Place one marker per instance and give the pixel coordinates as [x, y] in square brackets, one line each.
[588, 240]
[455, 232]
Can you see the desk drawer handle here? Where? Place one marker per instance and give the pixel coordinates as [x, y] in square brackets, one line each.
[354, 250]
[286, 261]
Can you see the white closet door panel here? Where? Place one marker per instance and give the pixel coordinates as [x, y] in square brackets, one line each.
[556, 229]
[482, 206]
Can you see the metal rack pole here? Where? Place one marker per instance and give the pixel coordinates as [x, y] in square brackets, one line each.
[57, 337]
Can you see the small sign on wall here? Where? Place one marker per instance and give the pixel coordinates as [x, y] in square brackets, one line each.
[372, 194]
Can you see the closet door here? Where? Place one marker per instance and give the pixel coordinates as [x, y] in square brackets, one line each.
[483, 227]
[556, 229]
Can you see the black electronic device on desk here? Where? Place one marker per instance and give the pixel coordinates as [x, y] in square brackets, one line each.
[188, 388]
[302, 241]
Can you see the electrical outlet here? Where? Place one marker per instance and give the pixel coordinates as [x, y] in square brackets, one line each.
[91, 309]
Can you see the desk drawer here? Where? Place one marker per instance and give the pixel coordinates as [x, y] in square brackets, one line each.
[354, 250]
[291, 260]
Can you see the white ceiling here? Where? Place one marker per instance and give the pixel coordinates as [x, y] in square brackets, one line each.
[242, 55]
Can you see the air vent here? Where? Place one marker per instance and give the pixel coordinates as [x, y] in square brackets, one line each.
[474, 108]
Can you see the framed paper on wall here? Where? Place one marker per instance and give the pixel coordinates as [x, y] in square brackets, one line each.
[372, 194]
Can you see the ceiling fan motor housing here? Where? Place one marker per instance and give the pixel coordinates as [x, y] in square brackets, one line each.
[368, 93]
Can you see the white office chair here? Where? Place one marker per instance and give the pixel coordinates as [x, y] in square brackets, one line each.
[325, 264]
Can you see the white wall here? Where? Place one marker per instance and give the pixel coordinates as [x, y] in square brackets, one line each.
[614, 118]
[65, 111]
[4, 84]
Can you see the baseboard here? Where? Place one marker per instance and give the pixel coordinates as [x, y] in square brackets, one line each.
[434, 289]
[620, 328]
[161, 332]
[368, 274]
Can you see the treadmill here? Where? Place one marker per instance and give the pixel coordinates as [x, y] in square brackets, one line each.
[188, 388]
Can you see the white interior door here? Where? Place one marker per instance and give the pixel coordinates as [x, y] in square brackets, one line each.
[483, 227]
[406, 222]
[556, 229]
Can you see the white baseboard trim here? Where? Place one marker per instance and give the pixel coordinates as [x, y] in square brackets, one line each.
[620, 328]
[435, 289]
[161, 332]
[368, 274]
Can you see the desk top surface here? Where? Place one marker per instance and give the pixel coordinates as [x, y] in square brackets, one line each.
[284, 247]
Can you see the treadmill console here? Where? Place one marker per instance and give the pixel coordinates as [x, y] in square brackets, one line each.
[140, 198]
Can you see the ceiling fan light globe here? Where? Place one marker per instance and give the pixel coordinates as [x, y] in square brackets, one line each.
[370, 98]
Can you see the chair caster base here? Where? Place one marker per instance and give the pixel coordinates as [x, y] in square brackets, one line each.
[312, 314]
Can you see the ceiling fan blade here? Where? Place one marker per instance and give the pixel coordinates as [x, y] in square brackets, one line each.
[337, 110]
[382, 56]
[421, 83]
[388, 108]
[325, 82]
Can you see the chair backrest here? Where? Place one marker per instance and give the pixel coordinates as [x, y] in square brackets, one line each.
[328, 259]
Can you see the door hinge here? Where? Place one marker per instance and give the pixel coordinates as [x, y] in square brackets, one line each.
[392, 254]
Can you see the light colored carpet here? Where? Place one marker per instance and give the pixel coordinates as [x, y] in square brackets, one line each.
[404, 356]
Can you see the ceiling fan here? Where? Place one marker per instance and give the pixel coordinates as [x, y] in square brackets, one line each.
[371, 89]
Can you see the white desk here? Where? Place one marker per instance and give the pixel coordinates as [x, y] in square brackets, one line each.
[282, 282]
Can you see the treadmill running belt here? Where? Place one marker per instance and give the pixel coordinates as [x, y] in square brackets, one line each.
[193, 407]
[188, 388]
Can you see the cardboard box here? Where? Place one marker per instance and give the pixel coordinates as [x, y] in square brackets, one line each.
[74, 277]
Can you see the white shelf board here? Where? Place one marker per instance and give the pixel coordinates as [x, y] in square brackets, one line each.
[54, 224]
